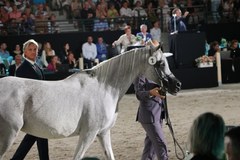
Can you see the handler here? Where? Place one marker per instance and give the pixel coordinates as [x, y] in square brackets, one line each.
[29, 69]
[150, 116]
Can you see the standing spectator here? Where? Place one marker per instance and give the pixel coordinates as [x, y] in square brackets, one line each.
[145, 36]
[47, 53]
[29, 69]
[13, 68]
[150, 115]
[125, 40]
[177, 22]
[89, 51]
[155, 31]
[232, 143]
[206, 137]
[101, 49]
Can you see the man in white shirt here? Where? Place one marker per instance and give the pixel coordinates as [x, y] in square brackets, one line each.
[89, 51]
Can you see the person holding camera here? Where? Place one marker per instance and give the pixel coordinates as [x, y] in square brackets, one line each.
[150, 115]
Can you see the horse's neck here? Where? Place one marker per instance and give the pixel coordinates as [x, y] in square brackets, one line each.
[121, 71]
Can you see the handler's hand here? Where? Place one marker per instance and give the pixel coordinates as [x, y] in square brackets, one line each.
[154, 92]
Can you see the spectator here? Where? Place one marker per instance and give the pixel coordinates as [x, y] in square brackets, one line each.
[28, 24]
[144, 35]
[8, 7]
[214, 47]
[76, 6]
[206, 137]
[112, 11]
[89, 51]
[155, 31]
[234, 49]
[64, 52]
[215, 4]
[103, 5]
[138, 10]
[165, 18]
[41, 12]
[47, 53]
[3, 16]
[151, 12]
[52, 66]
[88, 14]
[125, 11]
[15, 15]
[13, 68]
[125, 40]
[100, 12]
[232, 143]
[101, 49]
[17, 50]
[227, 6]
[177, 22]
[70, 60]
[4, 54]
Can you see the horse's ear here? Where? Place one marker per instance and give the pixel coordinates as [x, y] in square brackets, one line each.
[152, 60]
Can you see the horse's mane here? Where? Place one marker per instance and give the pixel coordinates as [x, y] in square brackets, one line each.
[114, 71]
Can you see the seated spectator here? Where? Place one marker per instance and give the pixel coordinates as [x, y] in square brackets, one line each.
[138, 10]
[125, 40]
[232, 143]
[53, 27]
[165, 11]
[12, 68]
[144, 35]
[125, 11]
[64, 52]
[151, 12]
[76, 6]
[234, 49]
[2, 68]
[89, 51]
[112, 11]
[41, 12]
[227, 10]
[15, 15]
[214, 47]
[101, 49]
[206, 137]
[52, 66]
[8, 7]
[4, 54]
[17, 50]
[88, 14]
[28, 24]
[100, 12]
[3, 15]
[155, 31]
[47, 53]
[70, 60]
[92, 4]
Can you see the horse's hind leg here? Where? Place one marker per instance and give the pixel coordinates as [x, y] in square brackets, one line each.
[8, 133]
[85, 140]
[105, 140]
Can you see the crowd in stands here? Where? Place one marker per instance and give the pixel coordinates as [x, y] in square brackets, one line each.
[35, 16]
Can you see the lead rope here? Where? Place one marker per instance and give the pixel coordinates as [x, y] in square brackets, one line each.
[168, 121]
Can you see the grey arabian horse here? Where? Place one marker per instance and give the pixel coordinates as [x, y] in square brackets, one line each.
[84, 104]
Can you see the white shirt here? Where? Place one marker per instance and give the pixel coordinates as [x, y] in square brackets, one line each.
[126, 12]
[89, 51]
[156, 34]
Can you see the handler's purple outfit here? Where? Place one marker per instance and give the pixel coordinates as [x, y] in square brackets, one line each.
[149, 115]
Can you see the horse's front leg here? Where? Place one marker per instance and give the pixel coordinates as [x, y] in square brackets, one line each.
[86, 137]
[105, 140]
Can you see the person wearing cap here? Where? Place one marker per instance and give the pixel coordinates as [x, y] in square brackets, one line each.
[29, 69]
[150, 115]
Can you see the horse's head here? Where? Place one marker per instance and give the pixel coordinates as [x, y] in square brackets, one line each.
[160, 72]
